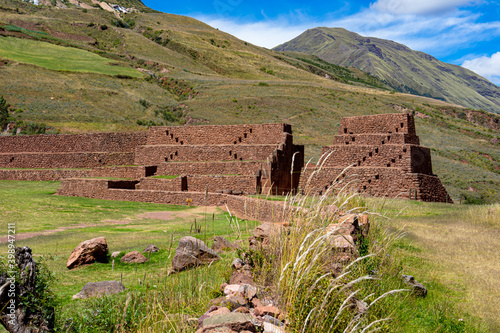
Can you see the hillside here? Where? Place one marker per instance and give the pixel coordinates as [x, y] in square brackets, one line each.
[403, 69]
[145, 68]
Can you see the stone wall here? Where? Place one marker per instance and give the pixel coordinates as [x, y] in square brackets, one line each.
[375, 139]
[65, 160]
[239, 206]
[377, 155]
[259, 209]
[211, 168]
[381, 123]
[410, 158]
[217, 134]
[153, 155]
[42, 175]
[65, 143]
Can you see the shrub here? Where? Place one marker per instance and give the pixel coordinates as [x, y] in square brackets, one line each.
[4, 113]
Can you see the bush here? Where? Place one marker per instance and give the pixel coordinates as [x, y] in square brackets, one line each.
[4, 113]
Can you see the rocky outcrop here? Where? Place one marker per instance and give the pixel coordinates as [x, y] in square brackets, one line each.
[192, 252]
[93, 289]
[88, 252]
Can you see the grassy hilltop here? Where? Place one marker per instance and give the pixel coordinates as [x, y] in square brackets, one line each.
[126, 72]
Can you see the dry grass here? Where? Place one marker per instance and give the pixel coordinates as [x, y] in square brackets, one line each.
[459, 249]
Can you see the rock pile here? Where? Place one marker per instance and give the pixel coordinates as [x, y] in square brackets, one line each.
[240, 310]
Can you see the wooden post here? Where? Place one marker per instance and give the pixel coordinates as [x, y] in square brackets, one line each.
[113, 265]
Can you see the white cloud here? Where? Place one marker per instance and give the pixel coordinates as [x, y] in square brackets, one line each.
[267, 33]
[418, 7]
[489, 67]
[438, 35]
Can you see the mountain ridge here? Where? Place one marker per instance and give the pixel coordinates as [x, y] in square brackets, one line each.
[402, 68]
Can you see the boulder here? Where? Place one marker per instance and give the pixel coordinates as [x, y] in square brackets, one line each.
[88, 252]
[93, 289]
[248, 291]
[115, 254]
[237, 263]
[269, 310]
[234, 321]
[265, 230]
[134, 257]
[270, 328]
[242, 309]
[418, 289]
[221, 244]
[191, 252]
[213, 311]
[231, 289]
[151, 248]
[256, 303]
[243, 277]
[342, 243]
[234, 302]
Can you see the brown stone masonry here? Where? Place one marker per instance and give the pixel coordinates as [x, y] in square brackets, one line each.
[383, 158]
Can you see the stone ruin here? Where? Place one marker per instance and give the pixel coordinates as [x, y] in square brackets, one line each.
[378, 155]
[217, 164]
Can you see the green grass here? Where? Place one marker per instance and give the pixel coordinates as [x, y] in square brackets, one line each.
[166, 176]
[451, 249]
[58, 224]
[60, 58]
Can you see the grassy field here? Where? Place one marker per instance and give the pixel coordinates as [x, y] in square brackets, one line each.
[451, 249]
[59, 58]
[58, 224]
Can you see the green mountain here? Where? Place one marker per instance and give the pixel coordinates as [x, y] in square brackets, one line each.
[403, 69]
[78, 66]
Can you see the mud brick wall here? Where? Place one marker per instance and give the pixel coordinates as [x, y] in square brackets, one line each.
[218, 134]
[64, 160]
[42, 175]
[64, 143]
[375, 139]
[249, 168]
[153, 155]
[381, 123]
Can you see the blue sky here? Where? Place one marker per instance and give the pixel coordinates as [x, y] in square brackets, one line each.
[461, 32]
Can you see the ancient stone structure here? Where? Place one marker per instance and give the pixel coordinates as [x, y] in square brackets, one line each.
[212, 165]
[378, 155]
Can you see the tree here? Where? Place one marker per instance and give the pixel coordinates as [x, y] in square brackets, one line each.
[4, 113]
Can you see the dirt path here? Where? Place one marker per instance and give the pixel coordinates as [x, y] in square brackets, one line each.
[165, 216]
